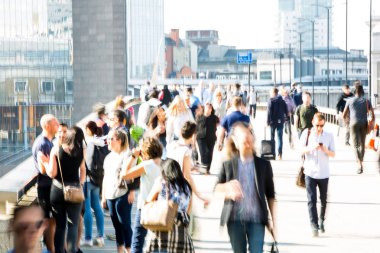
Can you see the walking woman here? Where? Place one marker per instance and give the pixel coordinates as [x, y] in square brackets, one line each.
[117, 198]
[149, 171]
[157, 126]
[92, 191]
[70, 157]
[175, 186]
[358, 109]
[178, 114]
[247, 184]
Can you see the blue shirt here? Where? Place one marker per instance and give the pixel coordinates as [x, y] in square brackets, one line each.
[249, 208]
[230, 119]
[194, 103]
[44, 145]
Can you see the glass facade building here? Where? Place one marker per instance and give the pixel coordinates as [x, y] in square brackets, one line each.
[145, 39]
[36, 74]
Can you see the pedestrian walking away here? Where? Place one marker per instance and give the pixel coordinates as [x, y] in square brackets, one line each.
[346, 94]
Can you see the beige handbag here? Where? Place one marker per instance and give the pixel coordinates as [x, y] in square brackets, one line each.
[72, 194]
[159, 215]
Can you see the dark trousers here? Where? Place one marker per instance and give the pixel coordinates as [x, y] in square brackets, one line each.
[311, 188]
[139, 233]
[358, 132]
[241, 232]
[202, 145]
[252, 110]
[279, 128]
[288, 130]
[66, 215]
[120, 212]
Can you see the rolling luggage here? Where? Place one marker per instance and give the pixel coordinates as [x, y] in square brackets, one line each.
[268, 148]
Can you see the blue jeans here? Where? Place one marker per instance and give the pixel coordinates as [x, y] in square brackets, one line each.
[311, 188]
[279, 128]
[120, 212]
[92, 200]
[139, 234]
[241, 231]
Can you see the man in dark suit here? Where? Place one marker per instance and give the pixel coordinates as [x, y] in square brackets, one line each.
[247, 183]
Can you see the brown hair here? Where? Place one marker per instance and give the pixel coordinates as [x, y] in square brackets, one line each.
[122, 136]
[94, 129]
[119, 102]
[188, 129]
[151, 148]
[319, 116]
[237, 101]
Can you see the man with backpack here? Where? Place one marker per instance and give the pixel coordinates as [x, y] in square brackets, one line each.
[304, 114]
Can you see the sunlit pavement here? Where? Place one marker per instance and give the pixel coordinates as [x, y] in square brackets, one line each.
[352, 220]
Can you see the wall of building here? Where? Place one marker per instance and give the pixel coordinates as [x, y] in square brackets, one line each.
[100, 67]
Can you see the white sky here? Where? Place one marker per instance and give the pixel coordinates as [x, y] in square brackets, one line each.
[251, 23]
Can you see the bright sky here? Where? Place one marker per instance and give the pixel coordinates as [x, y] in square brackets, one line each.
[251, 23]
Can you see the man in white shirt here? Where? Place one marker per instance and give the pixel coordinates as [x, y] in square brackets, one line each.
[317, 147]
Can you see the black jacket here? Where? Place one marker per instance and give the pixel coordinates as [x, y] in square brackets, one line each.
[263, 183]
[342, 101]
[277, 111]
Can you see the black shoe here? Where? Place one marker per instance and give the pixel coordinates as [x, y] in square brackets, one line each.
[79, 250]
[359, 171]
[322, 226]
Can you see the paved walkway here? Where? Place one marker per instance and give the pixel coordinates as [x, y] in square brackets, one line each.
[352, 222]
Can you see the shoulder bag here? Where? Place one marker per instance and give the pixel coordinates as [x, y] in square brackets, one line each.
[71, 194]
[300, 182]
[159, 215]
[370, 119]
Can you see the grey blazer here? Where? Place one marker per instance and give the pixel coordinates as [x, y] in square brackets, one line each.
[263, 183]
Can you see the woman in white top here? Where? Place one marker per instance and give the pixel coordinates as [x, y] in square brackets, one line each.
[116, 197]
[219, 104]
[148, 171]
[177, 115]
[92, 189]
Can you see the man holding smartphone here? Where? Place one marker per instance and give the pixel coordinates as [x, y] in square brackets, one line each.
[317, 152]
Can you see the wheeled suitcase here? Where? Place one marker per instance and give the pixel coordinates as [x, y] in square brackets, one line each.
[268, 148]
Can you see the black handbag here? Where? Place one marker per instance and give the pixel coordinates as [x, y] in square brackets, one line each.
[300, 181]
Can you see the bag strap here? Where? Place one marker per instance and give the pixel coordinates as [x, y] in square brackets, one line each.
[59, 165]
[307, 142]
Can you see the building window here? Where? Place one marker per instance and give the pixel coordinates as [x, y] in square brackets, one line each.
[47, 87]
[20, 86]
[69, 87]
[266, 75]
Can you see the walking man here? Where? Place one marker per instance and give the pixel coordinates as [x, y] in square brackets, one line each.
[44, 144]
[339, 111]
[277, 112]
[304, 114]
[358, 108]
[291, 108]
[252, 100]
[317, 147]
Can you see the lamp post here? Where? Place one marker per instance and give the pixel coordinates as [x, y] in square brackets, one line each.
[328, 50]
[290, 66]
[280, 68]
[300, 48]
[312, 38]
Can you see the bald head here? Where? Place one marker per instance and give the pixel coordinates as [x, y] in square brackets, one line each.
[49, 124]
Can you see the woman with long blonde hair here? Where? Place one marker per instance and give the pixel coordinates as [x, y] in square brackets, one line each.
[177, 114]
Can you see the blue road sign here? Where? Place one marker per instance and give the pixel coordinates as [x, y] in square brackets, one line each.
[244, 57]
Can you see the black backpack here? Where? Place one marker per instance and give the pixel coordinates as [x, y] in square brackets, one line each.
[96, 173]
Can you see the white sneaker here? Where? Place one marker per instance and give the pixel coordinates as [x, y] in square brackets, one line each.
[87, 243]
[99, 241]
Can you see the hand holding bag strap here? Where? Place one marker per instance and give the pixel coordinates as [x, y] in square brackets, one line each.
[60, 169]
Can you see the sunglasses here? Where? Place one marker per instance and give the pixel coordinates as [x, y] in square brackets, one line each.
[25, 226]
[319, 125]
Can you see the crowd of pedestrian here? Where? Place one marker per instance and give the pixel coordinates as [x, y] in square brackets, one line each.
[116, 158]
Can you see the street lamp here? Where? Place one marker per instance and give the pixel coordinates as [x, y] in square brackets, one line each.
[300, 42]
[312, 21]
[346, 40]
[328, 50]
